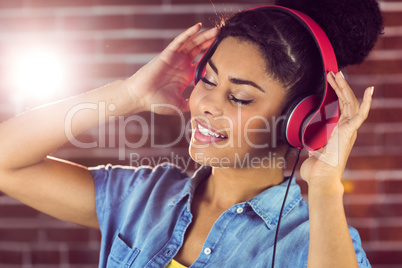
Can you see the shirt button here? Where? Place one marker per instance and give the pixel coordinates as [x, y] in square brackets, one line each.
[239, 210]
[207, 251]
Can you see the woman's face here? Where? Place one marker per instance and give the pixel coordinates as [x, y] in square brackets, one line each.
[235, 107]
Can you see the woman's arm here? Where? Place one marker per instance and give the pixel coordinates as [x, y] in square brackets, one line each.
[330, 242]
[65, 190]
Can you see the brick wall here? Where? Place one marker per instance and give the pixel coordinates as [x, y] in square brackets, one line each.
[104, 40]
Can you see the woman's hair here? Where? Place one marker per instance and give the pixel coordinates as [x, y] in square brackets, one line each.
[290, 52]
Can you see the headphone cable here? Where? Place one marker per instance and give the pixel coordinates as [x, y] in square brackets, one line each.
[283, 205]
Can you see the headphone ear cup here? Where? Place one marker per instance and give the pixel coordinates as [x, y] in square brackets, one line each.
[286, 115]
[295, 116]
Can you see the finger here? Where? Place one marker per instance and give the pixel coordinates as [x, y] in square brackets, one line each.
[178, 42]
[197, 50]
[331, 80]
[197, 41]
[346, 89]
[348, 102]
[364, 109]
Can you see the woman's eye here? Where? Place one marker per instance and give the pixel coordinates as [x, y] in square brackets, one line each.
[239, 101]
[206, 81]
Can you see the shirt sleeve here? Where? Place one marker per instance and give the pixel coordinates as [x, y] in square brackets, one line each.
[114, 183]
[360, 254]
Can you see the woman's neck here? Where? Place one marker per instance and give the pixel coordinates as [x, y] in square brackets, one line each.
[228, 186]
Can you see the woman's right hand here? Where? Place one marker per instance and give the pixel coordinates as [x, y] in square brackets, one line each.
[163, 80]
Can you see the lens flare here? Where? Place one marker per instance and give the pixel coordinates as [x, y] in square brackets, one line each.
[38, 75]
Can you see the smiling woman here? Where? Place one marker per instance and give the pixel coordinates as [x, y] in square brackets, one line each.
[229, 212]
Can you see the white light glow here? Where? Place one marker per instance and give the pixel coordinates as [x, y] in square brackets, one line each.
[38, 75]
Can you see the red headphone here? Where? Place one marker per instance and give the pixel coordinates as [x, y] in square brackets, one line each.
[308, 122]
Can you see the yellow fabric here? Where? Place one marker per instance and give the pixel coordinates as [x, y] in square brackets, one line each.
[175, 264]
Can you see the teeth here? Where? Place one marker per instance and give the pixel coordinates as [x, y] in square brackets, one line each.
[206, 132]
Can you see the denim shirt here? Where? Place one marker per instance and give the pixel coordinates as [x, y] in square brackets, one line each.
[144, 212]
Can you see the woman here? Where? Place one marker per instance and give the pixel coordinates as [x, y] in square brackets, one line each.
[225, 215]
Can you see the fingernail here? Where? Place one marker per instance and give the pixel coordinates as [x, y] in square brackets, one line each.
[372, 90]
[342, 74]
[332, 73]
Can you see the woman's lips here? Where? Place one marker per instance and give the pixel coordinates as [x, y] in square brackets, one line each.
[207, 135]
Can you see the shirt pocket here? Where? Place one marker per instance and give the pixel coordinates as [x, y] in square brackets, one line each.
[121, 254]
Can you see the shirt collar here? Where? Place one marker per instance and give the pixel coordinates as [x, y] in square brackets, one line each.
[266, 205]
[192, 183]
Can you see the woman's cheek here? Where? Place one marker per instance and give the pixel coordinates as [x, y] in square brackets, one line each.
[195, 98]
[256, 132]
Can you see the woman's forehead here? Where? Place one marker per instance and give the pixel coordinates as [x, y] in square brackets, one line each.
[234, 53]
[242, 59]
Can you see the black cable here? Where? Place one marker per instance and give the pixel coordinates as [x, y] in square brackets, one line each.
[283, 205]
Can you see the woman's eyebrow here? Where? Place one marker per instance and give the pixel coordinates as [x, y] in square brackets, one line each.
[246, 82]
[236, 80]
[213, 67]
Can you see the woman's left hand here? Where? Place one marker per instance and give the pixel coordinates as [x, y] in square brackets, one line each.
[323, 169]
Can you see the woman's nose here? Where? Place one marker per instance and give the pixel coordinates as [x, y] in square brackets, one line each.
[211, 104]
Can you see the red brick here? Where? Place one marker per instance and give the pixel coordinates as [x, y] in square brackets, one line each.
[12, 4]
[382, 162]
[20, 235]
[133, 46]
[17, 211]
[389, 210]
[381, 90]
[373, 210]
[389, 42]
[392, 18]
[67, 46]
[366, 233]
[99, 70]
[28, 24]
[45, 257]
[368, 139]
[128, 2]
[68, 235]
[10, 257]
[384, 257]
[94, 23]
[362, 187]
[167, 21]
[83, 256]
[361, 210]
[385, 115]
[393, 233]
[376, 67]
[95, 235]
[392, 139]
[138, 21]
[62, 3]
[391, 90]
[392, 186]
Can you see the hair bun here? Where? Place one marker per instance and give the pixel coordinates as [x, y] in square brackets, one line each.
[352, 26]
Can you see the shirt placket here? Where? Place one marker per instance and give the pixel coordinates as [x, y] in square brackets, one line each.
[214, 239]
[170, 249]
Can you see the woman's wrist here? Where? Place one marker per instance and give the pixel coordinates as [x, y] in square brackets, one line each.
[119, 99]
[326, 187]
